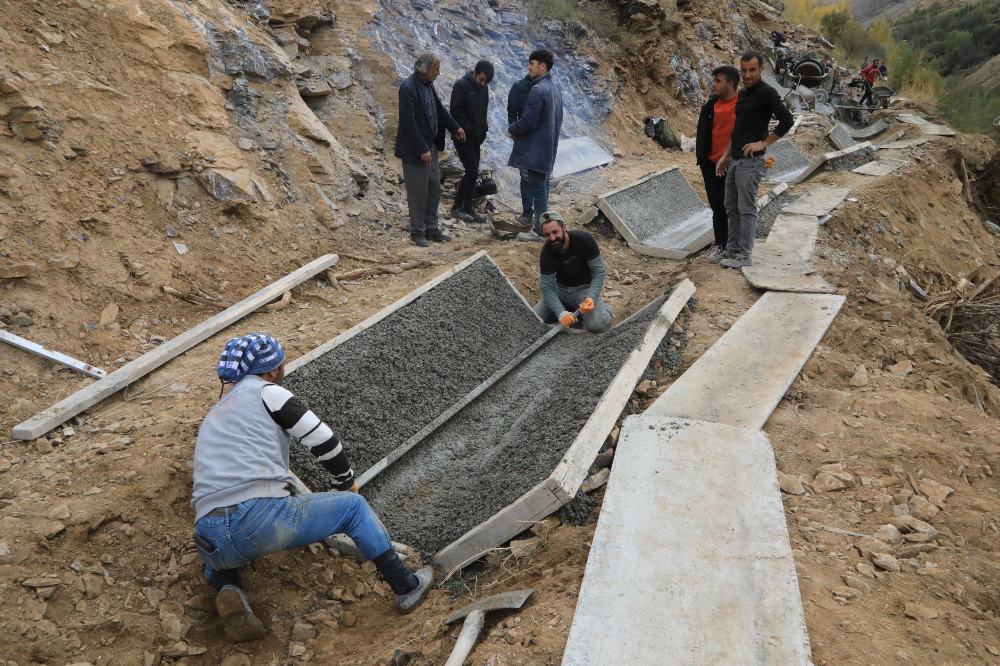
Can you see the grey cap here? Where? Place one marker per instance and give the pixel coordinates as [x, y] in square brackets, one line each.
[550, 216]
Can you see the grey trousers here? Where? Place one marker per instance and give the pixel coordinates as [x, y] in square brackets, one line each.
[423, 194]
[742, 181]
[597, 320]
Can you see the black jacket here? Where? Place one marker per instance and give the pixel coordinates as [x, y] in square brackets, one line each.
[469, 106]
[754, 109]
[415, 136]
[517, 98]
[703, 139]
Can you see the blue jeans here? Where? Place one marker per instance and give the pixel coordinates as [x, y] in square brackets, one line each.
[527, 203]
[538, 188]
[268, 525]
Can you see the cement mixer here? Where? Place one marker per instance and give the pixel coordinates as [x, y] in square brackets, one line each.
[809, 73]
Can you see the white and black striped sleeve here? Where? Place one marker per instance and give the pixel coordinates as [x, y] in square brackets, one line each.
[290, 414]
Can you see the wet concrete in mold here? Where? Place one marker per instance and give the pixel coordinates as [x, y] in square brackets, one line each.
[386, 383]
[651, 207]
[504, 443]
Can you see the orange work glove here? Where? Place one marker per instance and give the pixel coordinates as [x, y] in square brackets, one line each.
[587, 306]
[567, 319]
[769, 162]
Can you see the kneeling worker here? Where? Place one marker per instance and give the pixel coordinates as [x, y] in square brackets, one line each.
[572, 277]
[244, 494]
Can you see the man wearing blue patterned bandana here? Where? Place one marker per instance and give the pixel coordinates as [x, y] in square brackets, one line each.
[245, 498]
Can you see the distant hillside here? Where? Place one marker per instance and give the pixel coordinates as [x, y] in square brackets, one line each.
[959, 36]
[867, 12]
[987, 76]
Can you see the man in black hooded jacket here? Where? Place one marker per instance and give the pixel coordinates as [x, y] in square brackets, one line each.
[470, 101]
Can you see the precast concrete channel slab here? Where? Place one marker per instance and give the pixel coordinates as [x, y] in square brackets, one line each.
[385, 383]
[579, 154]
[789, 162]
[660, 215]
[504, 443]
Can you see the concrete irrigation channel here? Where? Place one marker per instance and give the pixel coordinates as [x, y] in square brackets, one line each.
[558, 402]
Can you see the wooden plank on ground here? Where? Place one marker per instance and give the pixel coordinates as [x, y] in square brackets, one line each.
[46, 420]
[565, 480]
[818, 201]
[690, 563]
[54, 356]
[743, 376]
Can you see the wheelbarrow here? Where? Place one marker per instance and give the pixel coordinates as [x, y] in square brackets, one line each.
[881, 96]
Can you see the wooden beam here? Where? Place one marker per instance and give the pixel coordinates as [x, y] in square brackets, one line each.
[564, 482]
[46, 420]
[56, 357]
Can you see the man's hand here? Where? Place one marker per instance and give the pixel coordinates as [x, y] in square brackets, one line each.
[567, 319]
[587, 306]
[752, 148]
[722, 166]
[426, 157]
[460, 134]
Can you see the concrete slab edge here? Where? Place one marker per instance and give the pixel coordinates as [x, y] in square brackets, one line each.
[847, 151]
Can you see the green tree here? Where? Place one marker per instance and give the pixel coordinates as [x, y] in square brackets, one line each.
[832, 25]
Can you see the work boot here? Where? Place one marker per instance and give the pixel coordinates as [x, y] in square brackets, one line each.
[419, 241]
[476, 217]
[436, 236]
[526, 218]
[530, 237]
[737, 260]
[717, 254]
[460, 214]
[239, 621]
[407, 603]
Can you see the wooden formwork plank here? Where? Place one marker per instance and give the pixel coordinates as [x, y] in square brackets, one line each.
[565, 480]
[666, 584]
[46, 420]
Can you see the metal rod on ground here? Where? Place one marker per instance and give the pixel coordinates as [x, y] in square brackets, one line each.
[424, 432]
[62, 359]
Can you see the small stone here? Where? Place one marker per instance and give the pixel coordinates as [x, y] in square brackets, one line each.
[43, 445]
[935, 492]
[604, 458]
[348, 619]
[545, 526]
[171, 232]
[49, 529]
[918, 612]
[245, 144]
[595, 481]
[296, 649]
[790, 484]
[844, 592]
[856, 583]
[885, 561]
[900, 510]
[526, 547]
[921, 509]
[902, 369]
[890, 535]
[236, 659]
[860, 377]
[825, 483]
[303, 632]
[93, 586]
[908, 552]
[868, 545]
[369, 567]
[865, 570]
[4, 550]
[60, 512]
[645, 386]
[360, 589]
[21, 319]
[68, 432]
[433, 650]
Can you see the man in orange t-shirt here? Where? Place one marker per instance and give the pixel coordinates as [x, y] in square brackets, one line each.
[715, 126]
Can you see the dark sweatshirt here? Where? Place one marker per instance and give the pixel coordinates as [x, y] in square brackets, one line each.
[754, 109]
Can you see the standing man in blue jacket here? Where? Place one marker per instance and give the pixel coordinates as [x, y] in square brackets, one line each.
[536, 135]
[422, 124]
[515, 105]
[470, 104]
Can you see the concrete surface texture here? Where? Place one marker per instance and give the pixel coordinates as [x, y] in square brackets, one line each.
[818, 201]
[666, 584]
[781, 263]
[504, 443]
[880, 167]
[789, 162]
[872, 130]
[661, 211]
[384, 384]
[841, 137]
[579, 154]
[742, 377]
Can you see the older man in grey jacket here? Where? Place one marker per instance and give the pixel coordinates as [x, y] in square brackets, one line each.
[536, 135]
[423, 120]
